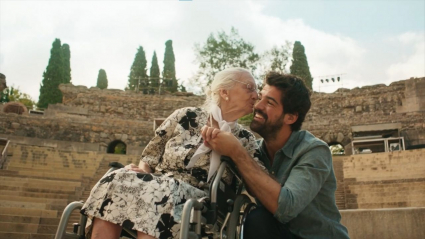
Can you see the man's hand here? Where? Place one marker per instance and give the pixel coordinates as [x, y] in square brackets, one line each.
[261, 185]
[222, 142]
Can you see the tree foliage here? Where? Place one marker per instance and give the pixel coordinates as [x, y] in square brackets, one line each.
[102, 80]
[221, 51]
[16, 95]
[66, 63]
[299, 65]
[138, 71]
[275, 59]
[52, 77]
[154, 71]
[169, 72]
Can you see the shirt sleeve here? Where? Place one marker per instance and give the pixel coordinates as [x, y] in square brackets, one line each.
[304, 182]
[153, 152]
[252, 148]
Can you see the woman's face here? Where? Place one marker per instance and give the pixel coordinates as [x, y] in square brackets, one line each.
[242, 96]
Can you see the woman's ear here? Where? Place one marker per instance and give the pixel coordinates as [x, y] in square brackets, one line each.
[224, 94]
[290, 118]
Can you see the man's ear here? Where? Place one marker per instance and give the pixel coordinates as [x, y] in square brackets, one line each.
[290, 118]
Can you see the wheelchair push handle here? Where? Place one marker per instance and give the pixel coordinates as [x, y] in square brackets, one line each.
[116, 165]
[230, 204]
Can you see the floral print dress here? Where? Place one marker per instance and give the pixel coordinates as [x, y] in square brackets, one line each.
[153, 203]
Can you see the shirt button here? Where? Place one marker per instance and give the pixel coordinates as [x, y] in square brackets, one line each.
[272, 172]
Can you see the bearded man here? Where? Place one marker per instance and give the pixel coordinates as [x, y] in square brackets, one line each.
[296, 197]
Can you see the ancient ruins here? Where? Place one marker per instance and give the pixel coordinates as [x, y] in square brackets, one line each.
[58, 155]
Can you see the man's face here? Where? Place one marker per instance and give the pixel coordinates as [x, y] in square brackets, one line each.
[268, 113]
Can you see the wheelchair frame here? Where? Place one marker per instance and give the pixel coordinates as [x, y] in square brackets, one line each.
[197, 214]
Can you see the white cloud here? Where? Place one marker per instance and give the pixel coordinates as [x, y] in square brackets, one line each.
[106, 34]
[327, 54]
[408, 65]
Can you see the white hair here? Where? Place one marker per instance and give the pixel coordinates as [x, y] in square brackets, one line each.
[222, 80]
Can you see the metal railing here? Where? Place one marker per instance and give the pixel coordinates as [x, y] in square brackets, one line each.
[3, 156]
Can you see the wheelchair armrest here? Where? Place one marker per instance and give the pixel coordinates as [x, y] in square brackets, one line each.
[229, 162]
[116, 165]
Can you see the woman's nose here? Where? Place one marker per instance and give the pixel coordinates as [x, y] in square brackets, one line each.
[255, 95]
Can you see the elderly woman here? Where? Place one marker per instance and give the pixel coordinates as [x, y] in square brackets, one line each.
[149, 197]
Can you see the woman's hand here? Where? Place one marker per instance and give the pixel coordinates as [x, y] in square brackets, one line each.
[136, 168]
[209, 133]
[222, 142]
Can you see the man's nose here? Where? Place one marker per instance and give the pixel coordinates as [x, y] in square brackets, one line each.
[258, 105]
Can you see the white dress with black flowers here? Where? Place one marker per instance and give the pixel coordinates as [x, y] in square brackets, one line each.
[152, 203]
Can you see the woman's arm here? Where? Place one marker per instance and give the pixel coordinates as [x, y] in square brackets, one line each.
[152, 154]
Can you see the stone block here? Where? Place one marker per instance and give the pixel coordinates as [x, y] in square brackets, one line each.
[358, 108]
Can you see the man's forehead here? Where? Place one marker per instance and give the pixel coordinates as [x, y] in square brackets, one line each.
[271, 91]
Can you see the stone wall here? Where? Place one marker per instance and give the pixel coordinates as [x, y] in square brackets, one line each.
[383, 180]
[102, 116]
[94, 102]
[385, 223]
[95, 117]
[100, 131]
[332, 115]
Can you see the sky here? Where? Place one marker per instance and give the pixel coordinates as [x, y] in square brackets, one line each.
[365, 42]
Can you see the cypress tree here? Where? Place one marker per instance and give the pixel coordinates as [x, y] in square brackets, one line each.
[52, 77]
[138, 71]
[102, 80]
[169, 72]
[299, 65]
[154, 71]
[67, 63]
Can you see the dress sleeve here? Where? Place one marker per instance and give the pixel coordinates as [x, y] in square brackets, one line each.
[249, 142]
[153, 152]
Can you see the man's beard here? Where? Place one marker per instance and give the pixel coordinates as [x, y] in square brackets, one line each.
[267, 130]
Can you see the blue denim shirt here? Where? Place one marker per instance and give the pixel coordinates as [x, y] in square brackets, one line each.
[306, 202]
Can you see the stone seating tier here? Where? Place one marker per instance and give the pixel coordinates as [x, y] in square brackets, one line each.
[39, 182]
[385, 180]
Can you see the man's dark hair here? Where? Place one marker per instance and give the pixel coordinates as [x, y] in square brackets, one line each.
[295, 95]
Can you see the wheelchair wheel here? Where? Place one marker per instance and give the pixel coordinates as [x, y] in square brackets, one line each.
[241, 208]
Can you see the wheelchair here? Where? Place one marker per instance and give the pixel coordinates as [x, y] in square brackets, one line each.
[220, 215]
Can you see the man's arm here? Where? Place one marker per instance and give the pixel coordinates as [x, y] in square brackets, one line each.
[304, 182]
[260, 184]
[302, 185]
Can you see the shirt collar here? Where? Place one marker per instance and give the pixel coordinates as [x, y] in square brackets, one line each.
[288, 148]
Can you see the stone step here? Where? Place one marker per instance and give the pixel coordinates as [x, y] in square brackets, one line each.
[27, 228]
[33, 199]
[67, 196]
[19, 219]
[4, 180]
[19, 235]
[18, 227]
[46, 176]
[26, 205]
[53, 162]
[29, 219]
[88, 170]
[29, 186]
[38, 190]
[29, 212]
[47, 229]
[51, 175]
